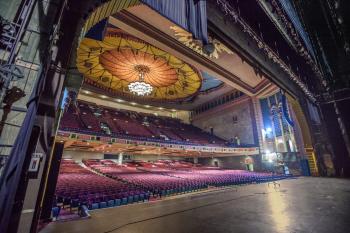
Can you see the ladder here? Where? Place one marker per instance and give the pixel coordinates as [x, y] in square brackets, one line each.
[310, 156]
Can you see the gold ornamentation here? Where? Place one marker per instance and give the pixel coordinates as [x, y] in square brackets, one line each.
[187, 39]
[116, 62]
[127, 65]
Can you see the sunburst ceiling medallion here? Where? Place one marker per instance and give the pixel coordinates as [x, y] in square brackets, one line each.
[126, 65]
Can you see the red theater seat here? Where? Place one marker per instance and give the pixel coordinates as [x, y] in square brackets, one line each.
[87, 117]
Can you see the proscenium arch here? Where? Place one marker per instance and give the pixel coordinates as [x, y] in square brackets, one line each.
[105, 10]
[112, 7]
[91, 13]
[309, 149]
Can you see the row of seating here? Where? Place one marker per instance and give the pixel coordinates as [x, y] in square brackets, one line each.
[157, 184]
[82, 116]
[107, 184]
[78, 186]
[163, 178]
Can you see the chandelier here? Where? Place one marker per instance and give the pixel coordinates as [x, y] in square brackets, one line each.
[141, 88]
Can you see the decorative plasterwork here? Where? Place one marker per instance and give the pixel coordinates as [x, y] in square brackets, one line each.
[111, 64]
[105, 10]
[187, 39]
[123, 64]
[148, 146]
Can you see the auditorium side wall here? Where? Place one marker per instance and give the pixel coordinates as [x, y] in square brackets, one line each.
[233, 162]
[230, 120]
[78, 156]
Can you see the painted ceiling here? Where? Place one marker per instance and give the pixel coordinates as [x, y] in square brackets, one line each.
[209, 82]
[112, 64]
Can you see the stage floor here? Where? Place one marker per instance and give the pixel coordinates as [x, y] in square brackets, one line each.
[297, 206]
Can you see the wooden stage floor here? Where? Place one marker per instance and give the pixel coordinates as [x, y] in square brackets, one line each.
[298, 205]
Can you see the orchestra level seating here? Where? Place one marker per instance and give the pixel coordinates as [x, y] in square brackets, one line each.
[103, 183]
[78, 186]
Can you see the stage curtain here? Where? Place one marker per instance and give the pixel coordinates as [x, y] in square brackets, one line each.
[10, 178]
[189, 14]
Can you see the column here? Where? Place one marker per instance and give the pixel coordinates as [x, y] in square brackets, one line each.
[120, 158]
[258, 120]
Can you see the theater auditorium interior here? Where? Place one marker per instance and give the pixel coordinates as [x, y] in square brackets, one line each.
[173, 116]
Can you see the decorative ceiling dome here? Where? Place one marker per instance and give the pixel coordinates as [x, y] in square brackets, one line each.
[125, 65]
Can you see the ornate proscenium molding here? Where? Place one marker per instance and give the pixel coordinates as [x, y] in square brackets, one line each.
[272, 55]
[187, 39]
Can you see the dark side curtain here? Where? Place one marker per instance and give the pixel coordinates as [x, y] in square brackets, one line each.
[293, 16]
[11, 175]
[189, 14]
[97, 32]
